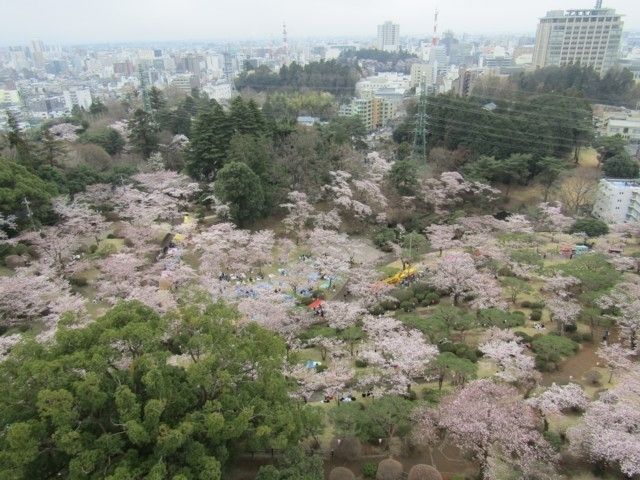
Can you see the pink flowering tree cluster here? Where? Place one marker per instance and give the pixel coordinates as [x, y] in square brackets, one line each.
[360, 199]
[300, 212]
[443, 237]
[564, 312]
[271, 311]
[332, 252]
[515, 365]
[36, 292]
[391, 346]
[616, 357]
[624, 304]
[342, 315]
[331, 382]
[225, 248]
[457, 275]
[559, 399]
[365, 284]
[610, 429]
[551, 219]
[452, 189]
[170, 183]
[488, 420]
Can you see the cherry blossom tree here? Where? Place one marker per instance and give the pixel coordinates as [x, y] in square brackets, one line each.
[486, 419]
[120, 273]
[561, 399]
[425, 426]
[259, 250]
[332, 252]
[552, 219]
[515, 365]
[560, 285]
[563, 312]
[36, 292]
[457, 275]
[452, 189]
[616, 357]
[342, 315]
[443, 236]
[626, 300]
[609, 431]
[300, 212]
[391, 345]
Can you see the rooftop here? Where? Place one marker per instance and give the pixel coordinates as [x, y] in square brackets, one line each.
[623, 182]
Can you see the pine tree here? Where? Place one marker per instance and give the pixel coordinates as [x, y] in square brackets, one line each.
[209, 143]
[143, 133]
[51, 149]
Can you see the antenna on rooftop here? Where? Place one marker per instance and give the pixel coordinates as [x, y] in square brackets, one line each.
[434, 41]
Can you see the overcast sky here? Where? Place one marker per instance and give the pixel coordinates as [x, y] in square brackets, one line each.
[89, 21]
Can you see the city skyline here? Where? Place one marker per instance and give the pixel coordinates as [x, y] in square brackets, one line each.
[156, 21]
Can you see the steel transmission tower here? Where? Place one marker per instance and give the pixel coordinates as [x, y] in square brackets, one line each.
[143, 76]
[420, 130]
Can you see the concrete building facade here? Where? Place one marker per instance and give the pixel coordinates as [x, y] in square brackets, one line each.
[589, 37]
[618, 201]
[389, 37]
[374, 112]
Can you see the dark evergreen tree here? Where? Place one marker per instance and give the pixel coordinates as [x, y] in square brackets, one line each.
[143, 133]
[237, 185]
[51, 149]
[209, 142]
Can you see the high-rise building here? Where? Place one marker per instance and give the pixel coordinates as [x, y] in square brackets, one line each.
[37, 48]
[618, 201]
[374, 112]
[389, 37]
[588, 37]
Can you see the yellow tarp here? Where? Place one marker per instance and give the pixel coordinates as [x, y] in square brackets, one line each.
[398, 277]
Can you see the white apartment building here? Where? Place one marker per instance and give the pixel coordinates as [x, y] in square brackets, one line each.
[80, 97]
[628, 127]
[618, 201]
[389, 37]
[219, 91]
[426, 72]
[370, 86]
[589, 37]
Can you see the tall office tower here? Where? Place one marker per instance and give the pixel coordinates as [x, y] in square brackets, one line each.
[389, 37]
[588, 37]
[37, 52]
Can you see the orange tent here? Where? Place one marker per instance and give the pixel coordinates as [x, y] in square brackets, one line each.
[315, 304]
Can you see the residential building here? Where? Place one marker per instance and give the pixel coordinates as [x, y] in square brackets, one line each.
[386, 84]
[80, 97]
[618, 201]
[185, 82]
[588, 37]
[374, 112]
[421, 72]
[219, 91]
[9, 97]
[389, 37]
[307, 121]
[464, 83]
[628, 127]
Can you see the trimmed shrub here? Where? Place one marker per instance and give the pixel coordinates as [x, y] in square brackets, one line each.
[422, 471]
[349, 449]
[341, 473]
[389, 469]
